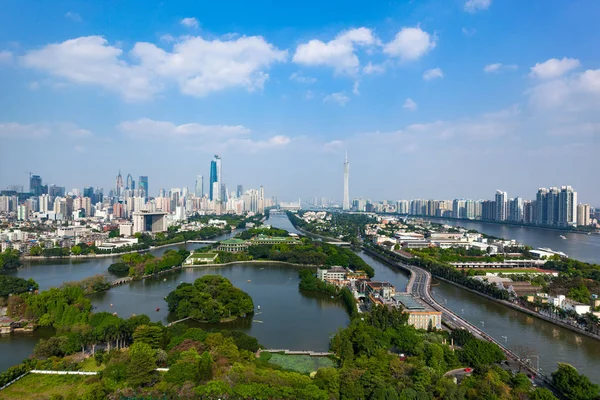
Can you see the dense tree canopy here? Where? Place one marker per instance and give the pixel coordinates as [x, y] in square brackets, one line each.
[211, 298]
[9, 259]
[15, 285]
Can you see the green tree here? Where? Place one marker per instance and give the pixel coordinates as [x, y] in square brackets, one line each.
[205, 367]
[140, 371]
[573, 385]
[35, 251]
[152, 335]
[541, 394]
[76, 250]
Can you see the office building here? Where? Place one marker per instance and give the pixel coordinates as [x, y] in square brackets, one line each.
[143, 186]
[239, 191]
[501, 205]
[215, 179]
[151, 222]
[199, 189]
[583, 215]
[35, 186]
[119, 185]
[552, 206]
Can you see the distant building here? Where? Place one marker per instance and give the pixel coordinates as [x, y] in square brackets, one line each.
[583, 215]
[151, 222]
[143, 186]
[420, 315]
[501, 205]
[333, 273]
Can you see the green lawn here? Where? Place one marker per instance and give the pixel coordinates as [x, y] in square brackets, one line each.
[38, 387]
[303, 364]
[89, 364]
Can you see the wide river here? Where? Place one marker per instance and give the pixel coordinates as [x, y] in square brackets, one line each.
[579, 246]
[294, 320]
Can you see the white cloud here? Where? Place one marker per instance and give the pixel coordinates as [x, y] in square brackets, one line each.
[150, 129]
[578, 93]
[469, 31]
[432, 74]
[496, 67]
[411, 43]
[6, 57]
[371, 68]
[190, 22]
[409, 104]
[309, 95]
[338, 53]
[252, 146]
[79, 148]
[553, 68]
[196, 65]
[22, 131]
[338, 98]
[34, 85]
[73, 16]
[355, 89]
[472, 6]
[298, 77]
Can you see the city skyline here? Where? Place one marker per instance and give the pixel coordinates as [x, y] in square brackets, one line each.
[431, 98]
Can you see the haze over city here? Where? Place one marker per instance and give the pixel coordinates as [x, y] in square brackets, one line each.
[431, 99]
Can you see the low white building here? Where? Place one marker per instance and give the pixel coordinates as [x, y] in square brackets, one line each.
[562, 302]
[337, 273]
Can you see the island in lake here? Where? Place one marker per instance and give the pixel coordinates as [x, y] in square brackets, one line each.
[211, 299]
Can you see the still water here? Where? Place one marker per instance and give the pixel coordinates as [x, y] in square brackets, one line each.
[579, 246]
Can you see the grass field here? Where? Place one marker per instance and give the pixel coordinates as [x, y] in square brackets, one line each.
[38, 387]
[303, 364]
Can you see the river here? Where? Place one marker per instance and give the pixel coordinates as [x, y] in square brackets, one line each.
[295, 320]
[579, 246]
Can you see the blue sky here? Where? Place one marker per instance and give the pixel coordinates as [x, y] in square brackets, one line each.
[431, 99]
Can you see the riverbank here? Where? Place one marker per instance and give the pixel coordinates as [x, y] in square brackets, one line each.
[509, 223]
[525, 310]
[502, 302]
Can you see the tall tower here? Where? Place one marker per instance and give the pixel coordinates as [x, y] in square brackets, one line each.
[215, 178]
[143, 185]
[199, 190]
[129, 182]
[346, 204]
[119, 184]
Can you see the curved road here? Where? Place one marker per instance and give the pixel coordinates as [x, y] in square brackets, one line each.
[420, 283]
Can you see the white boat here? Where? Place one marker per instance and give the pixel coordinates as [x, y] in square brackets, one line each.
[562, 236]
[258, 307]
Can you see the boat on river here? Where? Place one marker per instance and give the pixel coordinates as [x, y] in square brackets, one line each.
[562, 236]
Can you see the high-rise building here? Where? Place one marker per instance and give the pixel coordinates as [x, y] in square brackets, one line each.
[35, 185]
[515, 209]
[583, 214]
[501, 205]
[552, 206]
[143, 186]
[199, 189]
[129, 182]
[119, 184]
[215, 178]
[261, 200]
[239, 191]
[567, 206]
[541, 206]
[346, 204]
[488, 210]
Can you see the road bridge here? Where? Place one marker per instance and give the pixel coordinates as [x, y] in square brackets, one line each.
[203, 241]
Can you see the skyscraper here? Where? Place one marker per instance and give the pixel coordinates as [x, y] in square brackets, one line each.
[501, 205]
[199, 189]
[129, 182]
[346, 204]
[583, 214]
[215, 178]
[567, 206]
[143, 186]
[541, 206]
[240, 191]
[119, 185]
[35, 185]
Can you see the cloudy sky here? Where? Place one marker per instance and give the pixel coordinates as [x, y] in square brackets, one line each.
[430, 98]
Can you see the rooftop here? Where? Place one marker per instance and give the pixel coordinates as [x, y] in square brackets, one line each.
[233, 241]
[409, 302]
